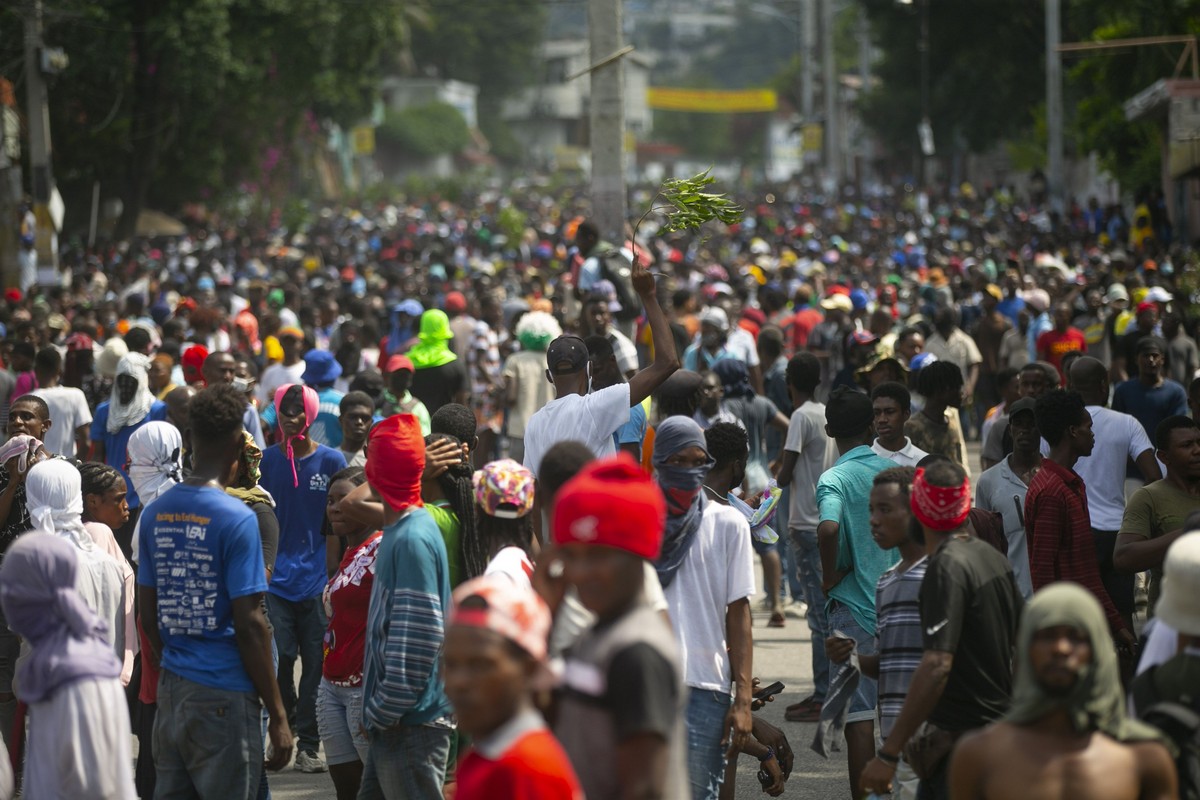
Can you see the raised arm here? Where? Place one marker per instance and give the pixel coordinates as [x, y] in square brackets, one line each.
[666, 360]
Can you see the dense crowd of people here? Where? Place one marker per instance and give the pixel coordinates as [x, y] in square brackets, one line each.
[460, 499]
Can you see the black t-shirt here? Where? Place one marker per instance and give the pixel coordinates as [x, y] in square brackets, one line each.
[643, 692]
[437, 386]
[970, 607]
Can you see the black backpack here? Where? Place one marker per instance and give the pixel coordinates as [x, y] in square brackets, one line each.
[617, 270]
[1180, 720]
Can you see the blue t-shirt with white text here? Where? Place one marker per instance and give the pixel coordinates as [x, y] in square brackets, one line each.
[300, 508]
[199, 550]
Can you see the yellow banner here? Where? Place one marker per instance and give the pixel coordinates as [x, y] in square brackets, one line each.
[712, 101]
[811, 136]
[362, 140]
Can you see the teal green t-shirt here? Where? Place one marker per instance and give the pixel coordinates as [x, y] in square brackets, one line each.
[843, 496]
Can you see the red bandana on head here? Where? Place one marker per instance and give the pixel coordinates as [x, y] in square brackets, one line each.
[940, 508]
[396, 459]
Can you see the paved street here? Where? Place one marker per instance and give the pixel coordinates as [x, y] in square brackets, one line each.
[779, 654]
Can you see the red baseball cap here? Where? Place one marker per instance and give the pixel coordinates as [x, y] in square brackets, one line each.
[399, 361]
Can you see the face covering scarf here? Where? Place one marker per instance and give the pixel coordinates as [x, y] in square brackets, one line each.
[37, 592]
[245, 486]
[1096, 701]
[396, 460]
[122, 415]
[681, 487]
[54, 498]
[155, 460]
[155, 465]
[311, 403]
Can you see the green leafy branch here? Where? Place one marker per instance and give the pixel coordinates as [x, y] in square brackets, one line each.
[688, 206]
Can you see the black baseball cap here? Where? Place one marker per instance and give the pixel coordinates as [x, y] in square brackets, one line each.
[566, 355]
[1022, 405]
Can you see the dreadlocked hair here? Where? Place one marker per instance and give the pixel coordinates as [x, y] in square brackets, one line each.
[496, 533]
[456, 485]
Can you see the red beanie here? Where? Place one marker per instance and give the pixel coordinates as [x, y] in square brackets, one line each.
[396, 459]
[612, 502]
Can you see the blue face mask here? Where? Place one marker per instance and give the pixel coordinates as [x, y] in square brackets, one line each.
[680, 485]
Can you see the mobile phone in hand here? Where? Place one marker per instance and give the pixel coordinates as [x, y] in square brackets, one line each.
[769, 691]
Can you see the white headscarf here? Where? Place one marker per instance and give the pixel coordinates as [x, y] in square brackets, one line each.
[122, 415]
[155, 460]
[54, 498]
[155, 465]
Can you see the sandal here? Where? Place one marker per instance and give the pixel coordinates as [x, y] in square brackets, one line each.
[777, 620]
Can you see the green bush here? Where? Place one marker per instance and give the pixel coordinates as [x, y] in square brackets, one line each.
[426, 130]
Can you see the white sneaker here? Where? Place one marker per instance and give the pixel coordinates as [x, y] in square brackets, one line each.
[309, 761]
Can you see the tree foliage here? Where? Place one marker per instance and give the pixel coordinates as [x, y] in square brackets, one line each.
[986, 67]
[426, 130]
[490, 43]
[170, 100]
[1100, 83]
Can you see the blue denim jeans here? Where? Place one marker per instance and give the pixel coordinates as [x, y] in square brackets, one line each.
[808, 564]
[866, 697]
[706, 712]
[788, 549]
[406, 763]
[206, 741]
[299, 632]
[340, 719]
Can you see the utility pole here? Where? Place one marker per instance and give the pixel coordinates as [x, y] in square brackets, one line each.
[1055, 188]
[833, 145]
[607, 119]
[808, 73]
[38, 114]
[925, 129]
[864, 79]
[10, 187]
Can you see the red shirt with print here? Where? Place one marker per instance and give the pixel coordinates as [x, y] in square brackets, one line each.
[347, 597]
[1053, 345]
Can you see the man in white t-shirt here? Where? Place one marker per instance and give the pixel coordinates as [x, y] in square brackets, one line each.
[1119, 438]
[805, 457]
[69, 412]
[707, 574]
[592, 417]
